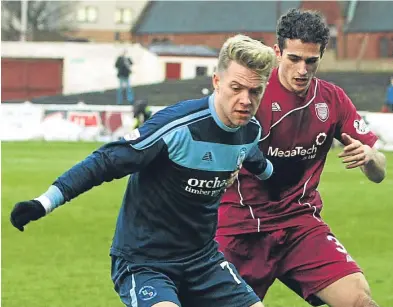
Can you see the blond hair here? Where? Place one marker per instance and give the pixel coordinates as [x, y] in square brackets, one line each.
[249, 53]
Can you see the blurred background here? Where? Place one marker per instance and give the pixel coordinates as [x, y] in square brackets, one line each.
[60, 56]
[77, 73]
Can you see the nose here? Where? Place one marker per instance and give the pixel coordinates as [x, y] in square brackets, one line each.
[245, 98]
[302, 68]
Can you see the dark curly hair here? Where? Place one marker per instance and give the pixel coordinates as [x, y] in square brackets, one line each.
[308, 26]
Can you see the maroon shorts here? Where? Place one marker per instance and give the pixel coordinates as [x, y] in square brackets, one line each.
[307, 261]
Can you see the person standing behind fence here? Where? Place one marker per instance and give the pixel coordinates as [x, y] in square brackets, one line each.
[123, 65]
[389, 96]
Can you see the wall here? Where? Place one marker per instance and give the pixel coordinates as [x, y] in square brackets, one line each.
[102, 36]
[90, 67]
[189, 64]
[330, 9]
[214, 40]
[372, 48]
[349, 49]
[30, 78]
[330, 62]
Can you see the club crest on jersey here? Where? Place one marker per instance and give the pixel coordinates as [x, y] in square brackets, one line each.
[322, 111]
[147, 293]
[241, 157]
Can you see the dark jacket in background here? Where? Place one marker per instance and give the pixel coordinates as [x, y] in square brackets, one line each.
[123, 65]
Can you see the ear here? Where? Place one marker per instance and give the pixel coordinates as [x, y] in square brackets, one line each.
[277, 51]
[216, 81]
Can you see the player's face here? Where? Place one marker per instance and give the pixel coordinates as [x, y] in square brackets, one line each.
[298, 63]
[238, 93]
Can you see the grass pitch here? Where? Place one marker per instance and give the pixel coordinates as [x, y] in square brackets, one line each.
[63, 259]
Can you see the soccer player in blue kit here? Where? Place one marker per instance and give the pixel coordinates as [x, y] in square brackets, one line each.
[181, 161]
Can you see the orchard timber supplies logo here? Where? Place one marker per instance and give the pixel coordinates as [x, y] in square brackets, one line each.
[322, 111]
[212, 187]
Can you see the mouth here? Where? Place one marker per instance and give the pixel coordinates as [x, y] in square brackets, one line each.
[243, 112]
[301, 81]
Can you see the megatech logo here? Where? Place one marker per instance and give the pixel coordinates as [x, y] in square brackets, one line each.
[299, 151]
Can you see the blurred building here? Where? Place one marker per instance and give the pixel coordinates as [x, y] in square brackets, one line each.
[359, 29]
[367, 30]
[85, 21]
[34, 69]
[107, 21]
[185, 61]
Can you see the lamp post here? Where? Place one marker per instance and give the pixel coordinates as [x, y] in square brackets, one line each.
[24, 9]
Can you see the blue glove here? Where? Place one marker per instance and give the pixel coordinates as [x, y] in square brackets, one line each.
[26, 211]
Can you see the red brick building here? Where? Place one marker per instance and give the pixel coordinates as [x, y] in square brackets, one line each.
[358, 28]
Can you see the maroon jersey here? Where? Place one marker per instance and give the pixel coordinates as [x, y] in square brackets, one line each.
[297, 135]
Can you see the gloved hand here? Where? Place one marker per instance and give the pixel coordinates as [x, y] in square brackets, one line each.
[26, 211]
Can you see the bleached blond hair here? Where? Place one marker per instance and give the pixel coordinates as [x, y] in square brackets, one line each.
[249, 53]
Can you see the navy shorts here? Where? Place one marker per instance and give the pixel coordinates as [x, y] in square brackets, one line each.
[202, 279]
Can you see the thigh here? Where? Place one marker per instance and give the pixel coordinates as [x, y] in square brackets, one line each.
[314, 261]
[255, 256]
[142, 286]
[215, 282]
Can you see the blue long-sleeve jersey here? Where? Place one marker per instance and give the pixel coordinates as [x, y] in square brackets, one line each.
[180, 161]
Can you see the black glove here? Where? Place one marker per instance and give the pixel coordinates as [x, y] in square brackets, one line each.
[26, 211]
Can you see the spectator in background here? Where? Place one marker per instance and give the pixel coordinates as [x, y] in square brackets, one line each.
[123, 65]
[389, 96]
[142, 112]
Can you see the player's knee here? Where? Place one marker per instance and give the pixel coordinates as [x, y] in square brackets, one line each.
[363, 298]
[361, 294]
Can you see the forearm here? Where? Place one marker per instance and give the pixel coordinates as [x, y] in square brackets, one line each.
[375, 169]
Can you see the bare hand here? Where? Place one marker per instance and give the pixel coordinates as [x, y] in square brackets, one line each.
[355, 153]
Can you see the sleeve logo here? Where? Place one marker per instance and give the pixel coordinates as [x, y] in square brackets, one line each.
[361, 126]
[133, 135]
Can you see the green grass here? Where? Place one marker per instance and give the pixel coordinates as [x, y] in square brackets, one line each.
[62, 260]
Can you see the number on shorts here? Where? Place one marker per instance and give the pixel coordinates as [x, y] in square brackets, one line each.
[339, 247]
[225, 264]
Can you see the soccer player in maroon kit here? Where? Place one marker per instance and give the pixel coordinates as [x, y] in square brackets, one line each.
[273, 229]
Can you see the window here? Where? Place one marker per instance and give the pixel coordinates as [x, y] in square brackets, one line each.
[123, 16]
[88, 14]
[201, 71]
[391, 48]
[163, 41]
[384, 47]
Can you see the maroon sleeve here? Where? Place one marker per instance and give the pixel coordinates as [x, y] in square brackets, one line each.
[350, 122]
